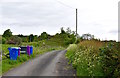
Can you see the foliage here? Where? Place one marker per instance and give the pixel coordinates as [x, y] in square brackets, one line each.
[35, 38]
[3, 40]
[68, 36]
[44, 36]
[14, 40]
[69, 39]
[95, 58]
[84, 60]
[31, 38]
[7, 33]
[110, 55]
[62, 31]
[78, 40]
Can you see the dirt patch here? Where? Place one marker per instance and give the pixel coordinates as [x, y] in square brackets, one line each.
[63, 68]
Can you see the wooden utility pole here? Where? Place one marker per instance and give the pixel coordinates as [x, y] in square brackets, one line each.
[76, 23]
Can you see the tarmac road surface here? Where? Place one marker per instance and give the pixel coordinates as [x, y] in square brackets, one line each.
[42, 65]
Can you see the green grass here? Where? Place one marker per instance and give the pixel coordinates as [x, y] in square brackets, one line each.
[7, 64]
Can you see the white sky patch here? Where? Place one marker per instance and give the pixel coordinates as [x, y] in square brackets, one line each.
[97, 17]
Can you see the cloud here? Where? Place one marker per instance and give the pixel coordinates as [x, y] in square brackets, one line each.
[36, 16]
[113, 31]
[31, 14]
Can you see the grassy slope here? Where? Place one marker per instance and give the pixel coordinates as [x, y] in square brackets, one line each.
[55, 43]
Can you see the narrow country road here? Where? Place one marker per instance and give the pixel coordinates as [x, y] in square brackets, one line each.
[48, 64]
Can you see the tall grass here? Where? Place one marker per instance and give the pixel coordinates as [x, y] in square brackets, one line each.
[91, 43]
[84, 58]
[95, 58]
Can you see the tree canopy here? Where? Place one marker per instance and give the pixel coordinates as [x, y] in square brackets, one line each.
[7, 33]
[43, 36]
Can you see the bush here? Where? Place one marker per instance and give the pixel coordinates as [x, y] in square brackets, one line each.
[3, 40]
[69, 39]
[44, 36]
[15, 40]
[77, 41]
[110, 60]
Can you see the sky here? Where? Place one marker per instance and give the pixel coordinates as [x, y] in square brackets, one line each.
[97, 17]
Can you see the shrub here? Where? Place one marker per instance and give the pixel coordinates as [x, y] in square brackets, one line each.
[110, 60]
[3, 40]
[44, 36]
[69, 39]
[77, 41]
[15, 40]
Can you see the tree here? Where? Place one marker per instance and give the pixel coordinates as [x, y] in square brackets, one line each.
[36, 38]
[68, 31]
[43, 36]
[68, 36]
[20, 35]
[31, 38]
[7, 33]
[62, 31]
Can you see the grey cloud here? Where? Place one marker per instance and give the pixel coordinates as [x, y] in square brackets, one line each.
[34, 14]
[114, 31]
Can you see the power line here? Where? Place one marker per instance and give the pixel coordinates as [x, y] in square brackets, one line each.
[64, 4]
[67, 5]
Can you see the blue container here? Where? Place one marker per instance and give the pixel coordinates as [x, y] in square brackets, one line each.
[31, 50]
[13, 53]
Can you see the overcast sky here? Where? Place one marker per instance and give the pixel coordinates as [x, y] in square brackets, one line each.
[97, 17]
